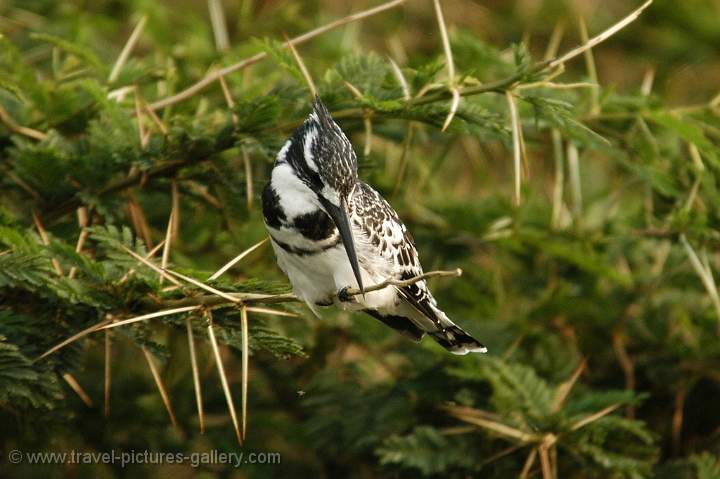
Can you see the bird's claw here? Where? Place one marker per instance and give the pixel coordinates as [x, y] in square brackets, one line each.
[343, 295]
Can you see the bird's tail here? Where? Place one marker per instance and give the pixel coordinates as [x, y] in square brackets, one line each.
[428, 318]
[457, 341]
[452, 337]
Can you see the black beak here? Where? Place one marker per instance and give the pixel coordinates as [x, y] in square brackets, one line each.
[340, 218]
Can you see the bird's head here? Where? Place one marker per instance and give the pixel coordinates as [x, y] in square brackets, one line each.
[322, 157]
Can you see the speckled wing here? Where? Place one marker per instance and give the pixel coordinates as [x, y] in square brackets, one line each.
[393, 245]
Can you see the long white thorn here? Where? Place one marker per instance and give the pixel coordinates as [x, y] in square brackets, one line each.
[597, 39]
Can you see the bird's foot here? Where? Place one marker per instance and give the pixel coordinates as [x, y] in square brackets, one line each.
[343, 295]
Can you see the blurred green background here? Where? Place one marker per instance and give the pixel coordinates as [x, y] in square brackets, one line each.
[594, 293]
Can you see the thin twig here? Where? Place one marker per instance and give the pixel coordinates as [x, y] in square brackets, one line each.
[157, 314]
[246, 158]
[303, 69]
[594, 417]
[402, 283]
[168, 241]
[219, 26]
[245, 367]
[563, 391]
[454, 104]
[7, 120]
[500, 454]
[555, 39]
[236, 259]
[107, 375]
[559, 179]
[82, 214]
[517, 147]
[160, 385]
[575, 185]
[545, 466]
[367, 117]
[75, 337]
[400, 78]
[602, 36]
[677, 417]
[627, 366]
[241, 298]
[152, 252]
[452, 87]
[367, 123]
[591, 69]
[647, 82]
[223, 379]
[139, 221]
[490, 424]
[529, 462]
[249, 193]
[204, 286]
[127, 49]
[556, 86]
[175, 200]
[445, 41]
[705, 273]
[407, 144]
[143, 134]
[410, 129]
[75, 385]
[228, 99]
[713, 287]
[202, 191]
[46, 241]
[119, 94]
[196, 375]
[155, 119]
[274, 312]
[353, 90]
[150, 265]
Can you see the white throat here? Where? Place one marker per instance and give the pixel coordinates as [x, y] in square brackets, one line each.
[295, 197]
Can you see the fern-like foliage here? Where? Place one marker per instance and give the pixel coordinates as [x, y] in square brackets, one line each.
[23, 385]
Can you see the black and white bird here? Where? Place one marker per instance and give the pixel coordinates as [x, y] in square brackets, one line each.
[330, 231]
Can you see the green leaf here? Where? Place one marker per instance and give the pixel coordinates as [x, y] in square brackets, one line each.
[689, 130]
[24, 385]
[13, 88]
[707, 465]
[282, 55]
[426, 450]
[80, 51]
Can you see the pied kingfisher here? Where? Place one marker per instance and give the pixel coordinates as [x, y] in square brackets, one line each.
[330, 231]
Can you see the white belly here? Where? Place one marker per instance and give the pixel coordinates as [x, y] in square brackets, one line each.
[317, 278]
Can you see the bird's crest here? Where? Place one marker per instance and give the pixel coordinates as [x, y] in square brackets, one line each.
[321, 154]
[323, 115]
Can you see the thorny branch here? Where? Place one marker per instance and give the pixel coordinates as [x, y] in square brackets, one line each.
[192, 304]
[400, 283]
[210, 300]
